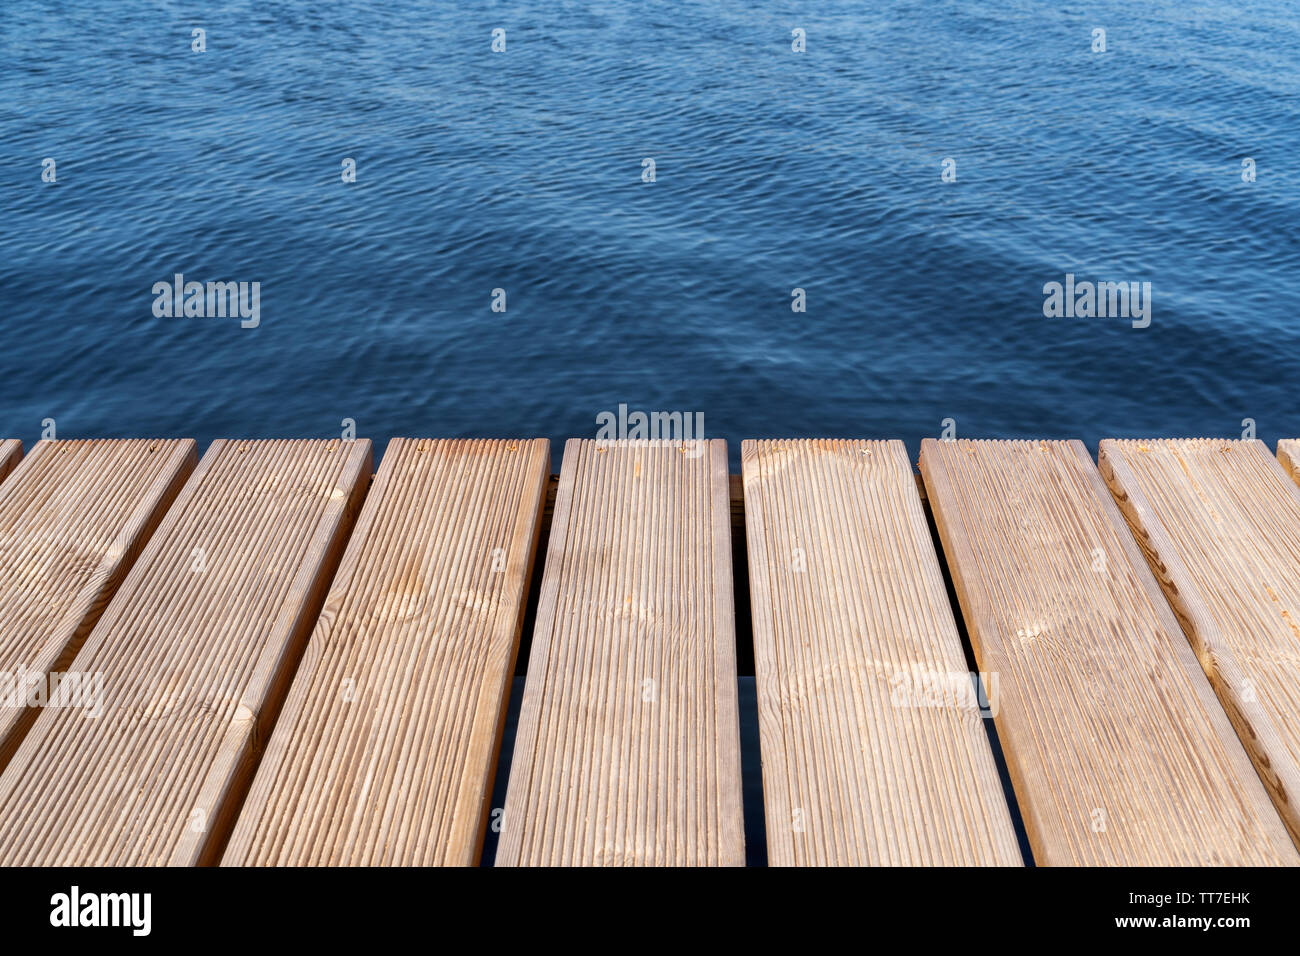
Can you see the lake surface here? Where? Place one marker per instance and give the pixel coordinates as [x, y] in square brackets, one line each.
[774, 170]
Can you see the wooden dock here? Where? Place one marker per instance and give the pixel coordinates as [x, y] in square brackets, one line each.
[1217, 521]
[73, 518]
[1119, 753]
[628, 749]
[267, 657]
[385, 751]
[195, 651]
[873, 745]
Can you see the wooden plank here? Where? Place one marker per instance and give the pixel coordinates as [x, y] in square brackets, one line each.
[1117, 749]
[874, 751]
[195, 652]
[1217, 521]
[1288, 453]
[11, 452]
[628, 747]
[73, 518]
[385, 750]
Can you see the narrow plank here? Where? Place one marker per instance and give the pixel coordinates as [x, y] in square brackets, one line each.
[73, 518]
[1117, 749]
[11, 452]
[385, 750]
[628, 747]
[1217, 521]
[1288, 453]
[195, 653]
[873, 746]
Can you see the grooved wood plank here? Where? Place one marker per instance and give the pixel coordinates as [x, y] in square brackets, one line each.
[1217, 521]
[11, 451]
[1288, 453]
[73, 517]
[385, 750]
[1117, 748]
[874, 751]
[628, 747]
[195, 652]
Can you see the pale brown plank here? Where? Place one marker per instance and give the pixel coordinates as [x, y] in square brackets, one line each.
[628, 747]
[873, 746]
[73, 517]
[1117, 748]
[385, 750]
[1288, 454]
[1217, 521]
[11, 452]
[196, 649]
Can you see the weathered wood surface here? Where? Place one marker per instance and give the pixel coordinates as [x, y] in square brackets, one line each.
[1219, 523]
[1117, 748]
[628, 748]
[387, 744]
[1288, 453]
[74, 515]
[11, 452]
[873, 746]
[195, 651]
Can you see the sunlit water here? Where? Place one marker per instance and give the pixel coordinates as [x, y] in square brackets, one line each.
[522, 171]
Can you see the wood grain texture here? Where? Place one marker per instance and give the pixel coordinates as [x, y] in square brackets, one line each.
[873, 746]
[1117, 748]
[628, 747]
[385, 750]
[1218, 521]
[11, 452]
[1288, 454]
[195, 652]
[73, 517]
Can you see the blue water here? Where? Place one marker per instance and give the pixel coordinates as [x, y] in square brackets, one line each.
[774, 170]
